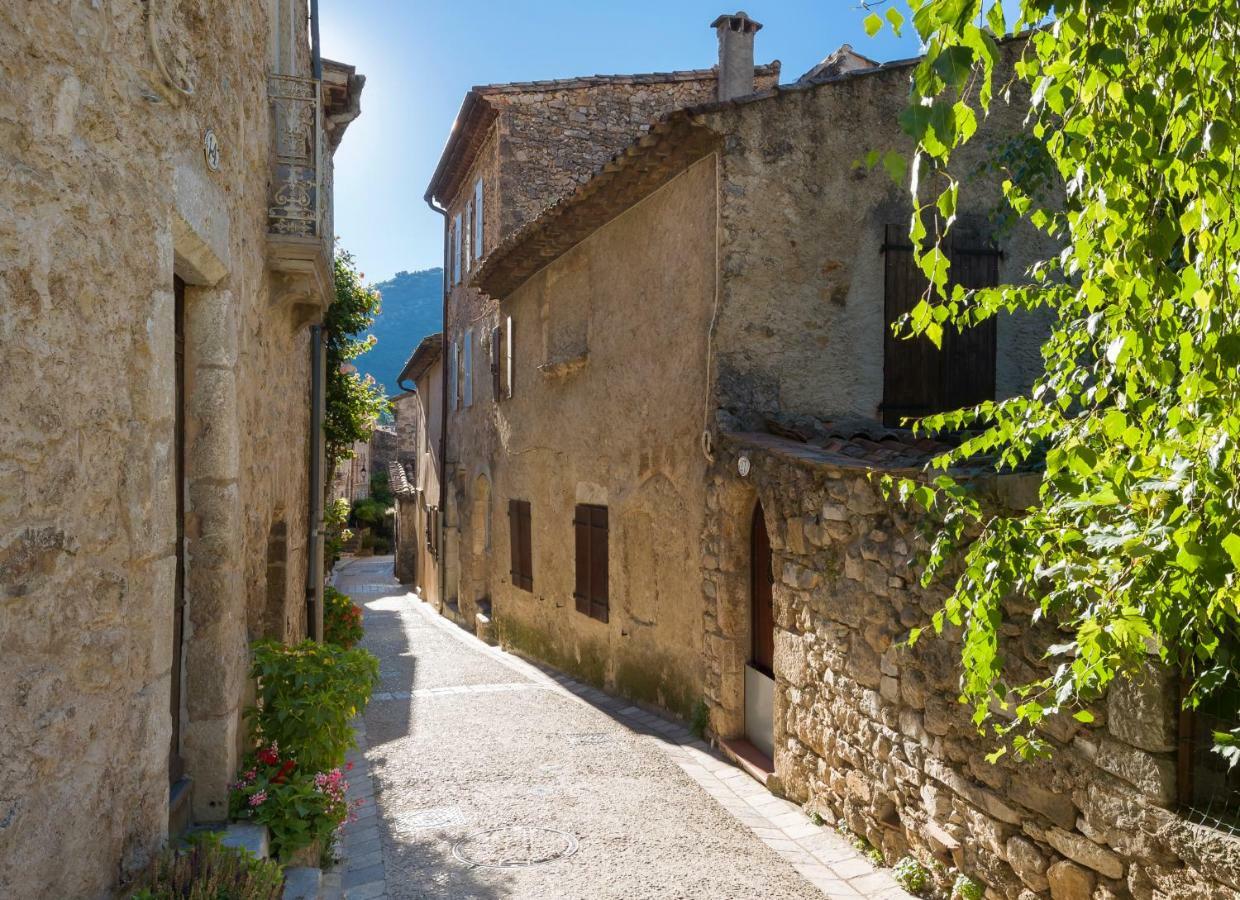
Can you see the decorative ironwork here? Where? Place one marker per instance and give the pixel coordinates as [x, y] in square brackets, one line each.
[297, 198]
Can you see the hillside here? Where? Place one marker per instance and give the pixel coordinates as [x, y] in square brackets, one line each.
[412, 309]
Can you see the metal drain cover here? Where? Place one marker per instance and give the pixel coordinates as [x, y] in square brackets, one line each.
[434, 817]
[514, 847]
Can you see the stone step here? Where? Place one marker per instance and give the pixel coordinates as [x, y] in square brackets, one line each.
[333, 886]
[303, 883]
[248, 836]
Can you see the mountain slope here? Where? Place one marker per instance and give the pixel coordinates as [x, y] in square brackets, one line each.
[412, 309]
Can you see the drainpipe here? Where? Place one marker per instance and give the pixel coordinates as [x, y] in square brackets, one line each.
[443, 409]
[314, 543]
[315, 48]
[318, 363]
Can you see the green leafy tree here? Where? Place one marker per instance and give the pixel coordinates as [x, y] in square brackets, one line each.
[354, 403]
[1134, 542]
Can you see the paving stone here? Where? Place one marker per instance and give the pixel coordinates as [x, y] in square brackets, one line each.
[368, 875]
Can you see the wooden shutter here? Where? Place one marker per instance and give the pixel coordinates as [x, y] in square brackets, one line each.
[519, 543]
[918, 378]
[497, 339]
[508, 339]
[479, 233]
[590, 532]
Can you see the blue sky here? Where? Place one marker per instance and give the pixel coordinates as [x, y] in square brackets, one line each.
[419, 59]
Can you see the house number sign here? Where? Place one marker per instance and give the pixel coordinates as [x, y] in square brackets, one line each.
[211, 150]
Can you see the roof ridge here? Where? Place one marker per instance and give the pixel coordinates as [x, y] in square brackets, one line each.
[502, 87]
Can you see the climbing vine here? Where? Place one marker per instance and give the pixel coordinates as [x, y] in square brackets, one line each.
[1134, 542]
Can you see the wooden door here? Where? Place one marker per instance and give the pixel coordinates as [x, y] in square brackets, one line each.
[762, 611]
[176, 765]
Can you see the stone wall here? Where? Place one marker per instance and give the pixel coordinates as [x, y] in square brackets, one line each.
[107, 196]
[868, 733]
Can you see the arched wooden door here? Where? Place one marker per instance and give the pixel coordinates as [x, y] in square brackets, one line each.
[760, 673]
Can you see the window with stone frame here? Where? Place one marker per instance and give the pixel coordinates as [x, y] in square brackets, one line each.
[467, 367]
[456, 249]
[468, 238]
[592, 586]
[568, 316]
[453, 376]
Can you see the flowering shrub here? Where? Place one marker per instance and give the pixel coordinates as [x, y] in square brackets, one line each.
[342, 620]
[207, 870]
[307, 694]
[298, 806]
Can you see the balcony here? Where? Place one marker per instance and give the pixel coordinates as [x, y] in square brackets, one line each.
[299, 221]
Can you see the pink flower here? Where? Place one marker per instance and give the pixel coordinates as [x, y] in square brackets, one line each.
[258, 799]
[251, 775]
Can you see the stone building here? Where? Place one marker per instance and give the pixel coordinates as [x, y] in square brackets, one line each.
[696, 387]
[514, 149]
[351, 477]
[415, 474]
[165, 248]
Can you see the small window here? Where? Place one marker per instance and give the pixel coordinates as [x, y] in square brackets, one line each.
[467, 359]
[432, 531]
[479, 250]
[456, 249]
[920, 379]
[497, 343]
[590, 530]
[522, 565]
[452, 375]
[468, 235]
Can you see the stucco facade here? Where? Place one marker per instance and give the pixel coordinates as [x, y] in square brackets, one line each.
[517, 148]
[134, 231]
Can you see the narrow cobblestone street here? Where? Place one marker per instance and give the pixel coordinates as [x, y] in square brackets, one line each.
[486, 777]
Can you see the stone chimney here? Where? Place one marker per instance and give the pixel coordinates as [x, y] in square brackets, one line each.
[735, 54]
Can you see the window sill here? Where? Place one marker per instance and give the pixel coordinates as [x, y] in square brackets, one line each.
[562, 368]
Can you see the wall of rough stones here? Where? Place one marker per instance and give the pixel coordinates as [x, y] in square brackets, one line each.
[868, 733]
[106, 196]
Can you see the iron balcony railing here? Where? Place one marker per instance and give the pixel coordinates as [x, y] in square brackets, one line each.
[300, 190]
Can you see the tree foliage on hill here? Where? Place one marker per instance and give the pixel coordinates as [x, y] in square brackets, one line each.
[1134, 542]
[354, 402]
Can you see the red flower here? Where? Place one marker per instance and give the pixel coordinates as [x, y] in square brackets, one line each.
[268, 756]
[284, 771]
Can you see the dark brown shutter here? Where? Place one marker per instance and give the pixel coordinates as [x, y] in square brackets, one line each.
[519, 544]
[590, 531]
[918, 378]
[968, 376]
[497, 339]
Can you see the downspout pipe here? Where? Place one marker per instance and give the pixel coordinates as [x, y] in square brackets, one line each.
[316, 54]
[443, 408]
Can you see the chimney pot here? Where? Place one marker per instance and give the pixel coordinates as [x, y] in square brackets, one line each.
[736, 75]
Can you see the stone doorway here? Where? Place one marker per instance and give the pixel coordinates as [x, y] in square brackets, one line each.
[760, 669]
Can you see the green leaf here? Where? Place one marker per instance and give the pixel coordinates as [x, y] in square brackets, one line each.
[873, 24]
[896, 19]
[1231, 544]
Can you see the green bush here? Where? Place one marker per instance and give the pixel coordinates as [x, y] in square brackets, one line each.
[911, 875]
[307, 694]
[966, 888]
[297, 805]
[342, 620]
[335, 518]
[207, 870]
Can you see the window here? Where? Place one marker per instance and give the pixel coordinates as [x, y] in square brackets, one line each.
[590, 529]
[918, 378]
[478, 232]
[1208, 788]
[467, 359]
[522, 566]
[456, 249]
[432, 531]
[501, 360]
[468, 234]
[508, 358]
[452, 375]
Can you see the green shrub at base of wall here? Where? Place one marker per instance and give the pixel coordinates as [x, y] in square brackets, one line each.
[307, 695]
[207, 870]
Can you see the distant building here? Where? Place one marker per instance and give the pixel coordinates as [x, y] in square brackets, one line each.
[415, 473]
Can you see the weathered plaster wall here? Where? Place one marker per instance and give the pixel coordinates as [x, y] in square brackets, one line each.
[106, 195]
[867, 732]
[801, 320]
[618, 428]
